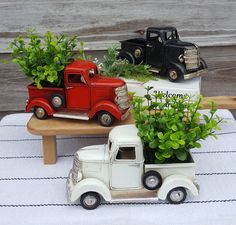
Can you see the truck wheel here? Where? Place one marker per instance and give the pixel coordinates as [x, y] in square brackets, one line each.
[90, 200]
[174, 74]
[126, 56]
[40, 113]
[152, 180]
[57, 101]
[176, 195]
[105, 119]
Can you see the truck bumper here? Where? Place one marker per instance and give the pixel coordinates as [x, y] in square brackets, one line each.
[126, 114]
[195, 74]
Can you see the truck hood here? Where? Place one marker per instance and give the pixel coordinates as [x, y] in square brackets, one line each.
[93, 153]
[180, 44]
[107, 82]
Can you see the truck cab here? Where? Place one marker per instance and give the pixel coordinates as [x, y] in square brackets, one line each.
[116, 172]
[165, 53]
[84, 95]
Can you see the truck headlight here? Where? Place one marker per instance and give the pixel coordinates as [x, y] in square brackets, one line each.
[181, 58]
[76, 170]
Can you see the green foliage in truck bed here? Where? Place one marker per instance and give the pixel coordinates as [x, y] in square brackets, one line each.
[43, 61]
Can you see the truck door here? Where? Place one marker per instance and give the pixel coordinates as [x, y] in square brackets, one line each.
[77, 92]
[154, 49]
[126, 171]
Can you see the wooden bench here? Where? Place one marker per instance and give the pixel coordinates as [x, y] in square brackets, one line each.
[52, 127]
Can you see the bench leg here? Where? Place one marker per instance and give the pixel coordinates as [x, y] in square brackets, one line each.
[49, 149]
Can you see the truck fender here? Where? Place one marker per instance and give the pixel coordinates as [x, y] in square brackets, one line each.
[106, 106]
[178, 66]
[174, 181]
[203, 64]
[88, 185]
[126, 55]
[42, 103]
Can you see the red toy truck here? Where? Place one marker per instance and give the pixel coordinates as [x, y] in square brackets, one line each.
[84, 95]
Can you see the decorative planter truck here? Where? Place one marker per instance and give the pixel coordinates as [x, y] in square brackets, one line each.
[165, 52]
[85, 94]
[116, 172]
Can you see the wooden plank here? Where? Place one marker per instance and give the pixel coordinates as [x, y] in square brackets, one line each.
[222, 102]
[49, 149]
[58, 126]
[115, 20]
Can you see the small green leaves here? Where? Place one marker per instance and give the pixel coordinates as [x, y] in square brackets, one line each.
[160, 135]
[171, 126]
[181, 155]
[174, 127]
[42, 61]
[112, 67]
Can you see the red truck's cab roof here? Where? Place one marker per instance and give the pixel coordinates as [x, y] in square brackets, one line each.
[80, 65]
[83, 66]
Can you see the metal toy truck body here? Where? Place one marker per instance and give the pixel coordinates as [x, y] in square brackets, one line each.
[116, 172]
[166, 53]
[85, 94]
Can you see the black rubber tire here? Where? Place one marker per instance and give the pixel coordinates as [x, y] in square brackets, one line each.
[126, 56]
[105, 119]
[40, 113]
[180, 191]
[94, 197]
[174, 74]
[57, 101]
[152, 175]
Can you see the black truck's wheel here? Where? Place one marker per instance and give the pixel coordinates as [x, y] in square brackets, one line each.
[90, 200]
[105, 119]
[40, 113]
[126, 56]
[174, 74]
[57, 101]
[177, 195]
[152, 180]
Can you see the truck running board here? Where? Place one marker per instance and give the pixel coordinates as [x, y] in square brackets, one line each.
[154, 70]
[134, 200]
[70, 115]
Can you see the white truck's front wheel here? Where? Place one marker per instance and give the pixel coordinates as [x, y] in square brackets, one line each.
[177, 195]
[90, 200]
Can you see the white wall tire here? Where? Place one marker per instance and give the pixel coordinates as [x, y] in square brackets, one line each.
[177, 195]
[90, 200]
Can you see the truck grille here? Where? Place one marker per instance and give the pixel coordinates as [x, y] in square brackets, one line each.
[76, 169]
[122, 97]
[192, 58]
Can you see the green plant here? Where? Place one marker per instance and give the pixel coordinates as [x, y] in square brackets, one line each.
[81, 53]
[170, 126]
[43, 61]
[121, 68]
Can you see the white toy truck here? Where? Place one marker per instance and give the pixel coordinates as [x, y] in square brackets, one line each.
[116, 172]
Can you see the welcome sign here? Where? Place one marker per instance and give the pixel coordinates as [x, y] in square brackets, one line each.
[169, 89]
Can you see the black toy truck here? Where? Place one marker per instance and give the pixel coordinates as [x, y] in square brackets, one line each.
[165, 53]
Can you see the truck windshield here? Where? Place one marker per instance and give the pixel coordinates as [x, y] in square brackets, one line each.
[170, 35]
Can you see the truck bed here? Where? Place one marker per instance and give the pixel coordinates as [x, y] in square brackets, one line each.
[187, 169]
[45, 92]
